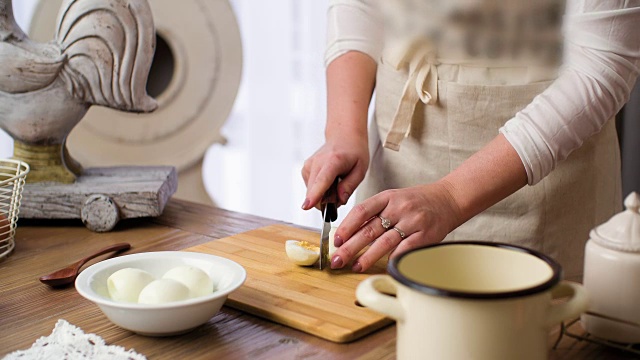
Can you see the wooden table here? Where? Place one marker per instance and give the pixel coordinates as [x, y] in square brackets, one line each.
[29, 309]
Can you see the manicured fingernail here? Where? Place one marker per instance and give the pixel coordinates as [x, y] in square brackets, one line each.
[345, 197]
[337, 241]
[337, 262]
[305, 204]
[357, 267]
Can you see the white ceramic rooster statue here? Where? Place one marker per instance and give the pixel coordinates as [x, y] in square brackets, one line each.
[101, 55]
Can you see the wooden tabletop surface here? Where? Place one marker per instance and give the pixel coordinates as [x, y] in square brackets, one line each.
[29, 309]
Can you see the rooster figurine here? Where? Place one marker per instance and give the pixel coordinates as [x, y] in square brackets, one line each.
[101, 55]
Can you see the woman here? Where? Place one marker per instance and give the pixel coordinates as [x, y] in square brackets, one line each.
[480, 132]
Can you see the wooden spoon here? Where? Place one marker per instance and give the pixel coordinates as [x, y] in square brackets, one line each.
[68, 275]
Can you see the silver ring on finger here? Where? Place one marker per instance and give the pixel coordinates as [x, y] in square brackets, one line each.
[402, 234]
[386, 223]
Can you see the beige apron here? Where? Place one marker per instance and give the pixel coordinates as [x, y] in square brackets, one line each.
[473, 102]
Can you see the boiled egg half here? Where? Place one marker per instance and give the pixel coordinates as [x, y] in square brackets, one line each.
[302, 253]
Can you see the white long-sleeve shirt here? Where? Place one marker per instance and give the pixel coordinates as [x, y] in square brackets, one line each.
[600, 65]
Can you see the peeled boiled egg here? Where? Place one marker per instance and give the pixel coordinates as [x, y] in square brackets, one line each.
[302, 253]
[126, 284]
[198, 282]
[163, 291]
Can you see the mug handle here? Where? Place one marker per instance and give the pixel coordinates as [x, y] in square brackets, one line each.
[370, 294]
[577, 303]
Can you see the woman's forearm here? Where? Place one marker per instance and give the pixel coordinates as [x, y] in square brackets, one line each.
[601, 63]
[488, 176]
[350, 83]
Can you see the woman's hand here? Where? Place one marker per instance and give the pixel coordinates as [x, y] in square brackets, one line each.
[424, 214]
[346, 157]
[427, 213]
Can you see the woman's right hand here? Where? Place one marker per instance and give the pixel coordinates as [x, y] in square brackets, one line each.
[346, 157]
[345, 154]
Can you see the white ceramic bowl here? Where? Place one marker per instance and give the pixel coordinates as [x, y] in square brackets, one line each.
[161, 319]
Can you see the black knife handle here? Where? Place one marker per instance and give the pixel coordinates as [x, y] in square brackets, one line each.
[331, 214]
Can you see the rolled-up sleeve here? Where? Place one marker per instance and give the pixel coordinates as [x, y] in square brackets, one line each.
[600, 67]
[353, 25]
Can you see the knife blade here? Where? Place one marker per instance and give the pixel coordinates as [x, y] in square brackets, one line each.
[329, 215]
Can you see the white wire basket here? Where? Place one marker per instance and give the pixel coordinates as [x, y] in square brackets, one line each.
[12, 177]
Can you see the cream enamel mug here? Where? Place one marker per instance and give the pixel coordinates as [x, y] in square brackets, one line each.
[472, 300]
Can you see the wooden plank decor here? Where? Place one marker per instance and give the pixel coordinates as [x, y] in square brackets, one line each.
[102, 196]
[321, 303]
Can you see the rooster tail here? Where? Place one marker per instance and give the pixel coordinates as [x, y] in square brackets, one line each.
[109, 46]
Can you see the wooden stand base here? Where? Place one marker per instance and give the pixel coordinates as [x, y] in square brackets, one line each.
[102, 196]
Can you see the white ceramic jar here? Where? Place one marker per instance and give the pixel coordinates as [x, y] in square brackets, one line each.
[612, 276]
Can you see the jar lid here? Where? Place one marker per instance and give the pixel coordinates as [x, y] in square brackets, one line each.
[622, 231]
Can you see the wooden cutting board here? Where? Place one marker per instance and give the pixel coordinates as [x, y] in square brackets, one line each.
[321, 303]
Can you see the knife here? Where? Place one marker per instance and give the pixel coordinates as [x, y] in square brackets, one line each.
[329, 215]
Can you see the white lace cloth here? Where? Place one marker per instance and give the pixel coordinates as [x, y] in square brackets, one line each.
[69, 342]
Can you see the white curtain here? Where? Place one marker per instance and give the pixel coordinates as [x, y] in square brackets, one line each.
[23, 11]
[279, 116]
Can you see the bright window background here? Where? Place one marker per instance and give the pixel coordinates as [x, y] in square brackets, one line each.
[279, 114]
[23, 11]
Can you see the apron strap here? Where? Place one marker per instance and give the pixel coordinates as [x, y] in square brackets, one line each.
[422, 85]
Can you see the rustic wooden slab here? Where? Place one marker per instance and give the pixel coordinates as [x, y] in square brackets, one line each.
[321, 303]
[138, 191]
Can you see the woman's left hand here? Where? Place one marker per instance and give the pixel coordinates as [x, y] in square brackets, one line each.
[423, 214]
